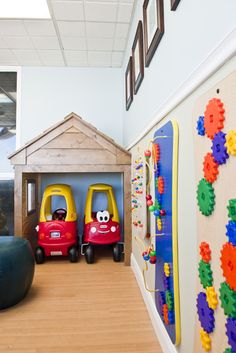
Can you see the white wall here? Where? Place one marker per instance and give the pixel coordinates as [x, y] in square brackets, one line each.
[187, 236]
[49, 94]
[191, 33]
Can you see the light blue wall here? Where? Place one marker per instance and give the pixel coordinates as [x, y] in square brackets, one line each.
[51, 93]
[80, 183]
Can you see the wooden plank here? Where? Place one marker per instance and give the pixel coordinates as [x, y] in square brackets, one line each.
[18, 202]
[67, 157]
[127, 215]
[72, 129]
[58, 315]
[74, 168]
[123, 158]
[73, 140]
[19, 159]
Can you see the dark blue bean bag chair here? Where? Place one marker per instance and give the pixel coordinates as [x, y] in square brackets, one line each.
[16, 270]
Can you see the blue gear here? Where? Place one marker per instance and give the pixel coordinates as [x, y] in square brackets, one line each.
[171, 317]
[157, 173]
[231, 232]
[200, 126]
[161, 300]
[205, 314]
[219, 150]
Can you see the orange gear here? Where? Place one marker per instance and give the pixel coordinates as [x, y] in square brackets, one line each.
[214, 117]
[210, 168]
[160, 185]
[205, 252]
[156, 152]
[165, 314]
[228, 264]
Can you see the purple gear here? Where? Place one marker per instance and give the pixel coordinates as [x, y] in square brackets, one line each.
[231, 332]
[200, 126]
[231, 232]
[205, 314]
[157, 170]
[171, 317]
[219, 150]
[166, 282]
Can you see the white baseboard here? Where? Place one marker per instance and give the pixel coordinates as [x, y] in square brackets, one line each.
[159, 328]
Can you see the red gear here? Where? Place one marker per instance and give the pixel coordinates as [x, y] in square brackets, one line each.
[160, 185]
[156, 152]
[214, 117]
[205, 252]
[210, 168]
[228, 264]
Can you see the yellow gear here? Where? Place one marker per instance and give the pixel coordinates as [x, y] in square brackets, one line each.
[167, 269]
[205, 340]
[159, 224]
[231, 142]
[211, 297]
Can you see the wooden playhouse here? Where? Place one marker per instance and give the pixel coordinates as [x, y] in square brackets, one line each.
[70, 146]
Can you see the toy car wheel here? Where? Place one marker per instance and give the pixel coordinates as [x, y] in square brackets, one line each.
[39, 255]
[73, 254]
[89, 254]
[117, 252]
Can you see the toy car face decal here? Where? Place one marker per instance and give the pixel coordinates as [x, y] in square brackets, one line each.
[103, 216]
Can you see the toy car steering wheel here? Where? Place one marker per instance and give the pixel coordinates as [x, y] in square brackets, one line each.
[59, 214]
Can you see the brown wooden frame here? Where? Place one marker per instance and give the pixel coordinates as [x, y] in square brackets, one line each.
[138, 40]
[174, 4]
[150, 50]
[129, 75]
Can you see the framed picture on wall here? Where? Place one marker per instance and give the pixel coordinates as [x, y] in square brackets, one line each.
[153, 21]
[137, 58]
[128, 84]
[174, 4]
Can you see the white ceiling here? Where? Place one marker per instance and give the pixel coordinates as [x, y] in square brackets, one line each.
[80, 33]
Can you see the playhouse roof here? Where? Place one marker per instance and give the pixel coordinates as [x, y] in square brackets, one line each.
[64, 139]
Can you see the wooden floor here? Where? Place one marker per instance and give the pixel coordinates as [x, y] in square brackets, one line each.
[79, 308]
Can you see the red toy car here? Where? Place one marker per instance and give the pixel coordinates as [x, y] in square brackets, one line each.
[101, 227]
[57, 231]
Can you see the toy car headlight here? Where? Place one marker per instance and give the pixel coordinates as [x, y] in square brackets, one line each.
[113, 229]
[93, 229]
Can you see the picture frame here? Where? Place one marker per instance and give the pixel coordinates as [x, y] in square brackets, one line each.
[174, 4]
[129, 84]
[153, 21]
[138, 58]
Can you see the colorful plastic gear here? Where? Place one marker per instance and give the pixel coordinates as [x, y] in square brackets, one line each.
[228, 264]
[228, 300]
[158, 170]
[228, 350]
[159, 224]
[159, 198]
[205, 252]
[231, 332]
[231, 232]
[166, 282]
[214, 117]
[165, 314]
[167, 269]
[219, 150]
[156, 153]
[171, 317]
[205, 314]
[169, 300]
[231, 142]
[232, 209]
[200, 126]
[160, 185]
[205, 197]
[205, 340]
[210, 168]
[205, 274]
[211, 297]
[161, 300]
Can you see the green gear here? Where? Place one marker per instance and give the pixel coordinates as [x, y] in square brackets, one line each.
[169, 300]
[205, 197]
[232, 209]
[228, 350]
[228, 300]
[205, 274]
